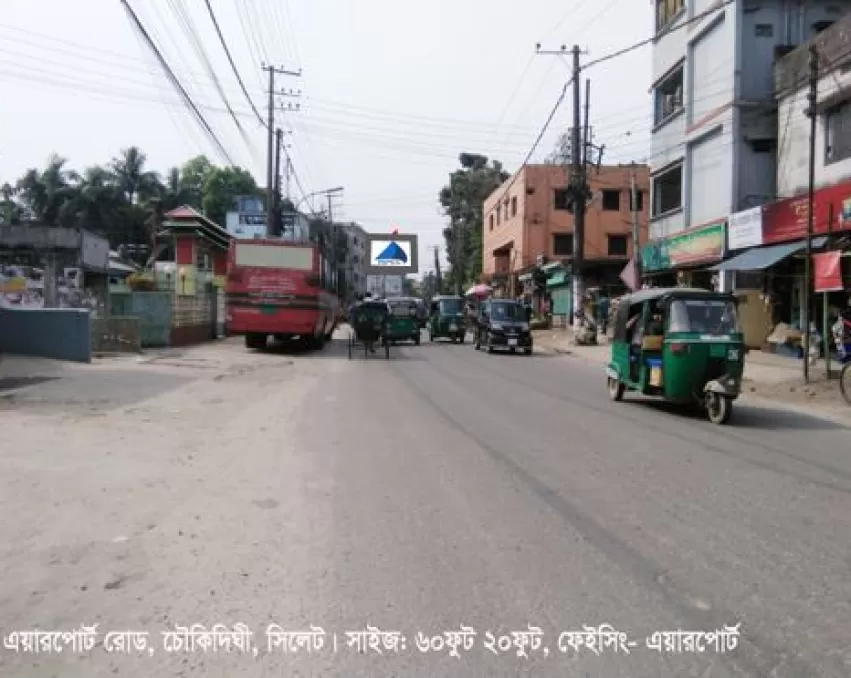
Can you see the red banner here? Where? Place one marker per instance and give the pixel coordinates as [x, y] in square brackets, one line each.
[828, 270]
[786, 220]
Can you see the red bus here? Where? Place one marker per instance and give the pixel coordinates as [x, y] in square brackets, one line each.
[281, 289]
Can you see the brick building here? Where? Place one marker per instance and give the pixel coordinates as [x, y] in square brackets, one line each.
[529, 217]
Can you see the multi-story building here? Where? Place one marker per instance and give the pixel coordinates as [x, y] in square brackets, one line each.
[356, 258]
[715, 132]
[528, 221]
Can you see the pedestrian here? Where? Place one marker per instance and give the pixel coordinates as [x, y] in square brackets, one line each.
[603, 307]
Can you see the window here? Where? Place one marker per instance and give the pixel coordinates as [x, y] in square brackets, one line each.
[838, 133]
[764, 30]
[563, 244]
[514, 207]
[668, 96]
[612, 201]
[618, 246]
[561, 200]
[762, 145]
[667, 11]
[490, 222]
[498, 214]
[203, 260]
[668, 191]
[639, 201]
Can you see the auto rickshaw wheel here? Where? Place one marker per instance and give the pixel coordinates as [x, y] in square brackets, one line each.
[719, 408]
[616, 389]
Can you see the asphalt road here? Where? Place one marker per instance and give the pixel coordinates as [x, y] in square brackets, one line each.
[444, 487]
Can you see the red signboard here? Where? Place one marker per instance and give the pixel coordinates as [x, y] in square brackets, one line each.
[786, 220]
[828, 272]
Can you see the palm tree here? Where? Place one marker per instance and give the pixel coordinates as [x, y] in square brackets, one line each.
[46, 196]
[135, 181]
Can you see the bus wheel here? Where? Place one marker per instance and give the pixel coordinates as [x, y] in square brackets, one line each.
[255, 341]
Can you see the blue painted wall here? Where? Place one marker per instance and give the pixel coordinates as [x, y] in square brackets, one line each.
[59, 333]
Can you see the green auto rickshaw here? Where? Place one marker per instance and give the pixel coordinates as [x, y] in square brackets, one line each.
[403, 325]
[682, 345]
[447, 319]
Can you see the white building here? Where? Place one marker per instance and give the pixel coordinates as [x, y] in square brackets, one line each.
[715, 138]
[833, 122]
[356, 257]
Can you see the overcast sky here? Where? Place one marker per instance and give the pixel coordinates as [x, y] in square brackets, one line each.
[391, 92]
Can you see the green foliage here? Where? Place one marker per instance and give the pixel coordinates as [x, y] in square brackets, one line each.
[222, 186]
[115, 199]
[462, 201]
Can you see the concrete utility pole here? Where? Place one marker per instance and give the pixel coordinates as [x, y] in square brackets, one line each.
[812, 99]
[579, 194]
[457, 269]
[276, 211]
[438, 281]
[270, 129]
[633, 209]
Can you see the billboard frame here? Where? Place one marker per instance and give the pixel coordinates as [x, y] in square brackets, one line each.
[413, 264]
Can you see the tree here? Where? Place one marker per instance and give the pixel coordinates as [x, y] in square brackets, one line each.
[463, 200]
[193, 179]
[221, 189]
[10, 210]
[137, 184]
[47, 196]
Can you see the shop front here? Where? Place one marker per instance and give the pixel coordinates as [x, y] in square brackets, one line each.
[681, 259]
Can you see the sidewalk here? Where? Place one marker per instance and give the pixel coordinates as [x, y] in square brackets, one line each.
[766, 375]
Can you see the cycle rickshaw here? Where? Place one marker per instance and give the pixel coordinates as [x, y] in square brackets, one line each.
[369, 324]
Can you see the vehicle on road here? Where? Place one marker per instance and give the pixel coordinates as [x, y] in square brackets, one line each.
[446, 319]
[681, 345]
[422, 314]
[281, 289]
[403, 325]
[502, 324]
[370, 321]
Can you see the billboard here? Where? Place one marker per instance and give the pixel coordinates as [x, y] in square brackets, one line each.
[385, 285]
[394, 254]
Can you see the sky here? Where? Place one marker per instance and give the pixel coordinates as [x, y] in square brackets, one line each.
[390, 92]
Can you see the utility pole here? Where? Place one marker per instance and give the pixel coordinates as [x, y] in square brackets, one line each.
[333, 231]
[579, 194]
[812, 98]
[633, 209]
[456, 239]
[276, 211]
[270, 129]
[288, 173]
[438, 281]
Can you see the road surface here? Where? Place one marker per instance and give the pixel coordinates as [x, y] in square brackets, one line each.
[442, 488]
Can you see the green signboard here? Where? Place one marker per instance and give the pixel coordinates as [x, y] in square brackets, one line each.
[704, 244]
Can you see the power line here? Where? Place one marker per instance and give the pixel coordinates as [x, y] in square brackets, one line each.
[657, 36]
[540, 136]
[170, 74]
[231, 61]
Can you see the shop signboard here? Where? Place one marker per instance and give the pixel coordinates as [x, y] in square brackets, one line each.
[786, 220]
[704, 244]
[744, 229]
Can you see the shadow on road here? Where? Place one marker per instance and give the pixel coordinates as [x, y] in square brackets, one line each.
[747, 416]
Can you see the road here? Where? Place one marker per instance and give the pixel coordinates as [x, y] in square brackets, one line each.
[443, 487]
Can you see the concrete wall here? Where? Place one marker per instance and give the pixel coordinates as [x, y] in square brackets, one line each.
[117, 334]
[62, 334]
[794, 125]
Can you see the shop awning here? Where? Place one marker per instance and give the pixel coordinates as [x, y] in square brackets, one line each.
[760, 258]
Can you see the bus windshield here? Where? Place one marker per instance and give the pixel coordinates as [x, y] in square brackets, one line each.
[715, 316]
[274, 256]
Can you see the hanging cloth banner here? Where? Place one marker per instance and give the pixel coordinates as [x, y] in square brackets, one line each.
[828, 270]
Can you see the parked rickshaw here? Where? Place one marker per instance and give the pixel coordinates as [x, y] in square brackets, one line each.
[369, 327]
[402, 323]
[446, 319]
[681, 345]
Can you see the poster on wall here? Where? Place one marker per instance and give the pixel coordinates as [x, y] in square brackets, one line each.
[23, 287]
[744, 229]
[828, 272]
